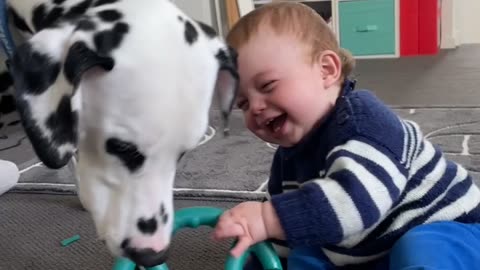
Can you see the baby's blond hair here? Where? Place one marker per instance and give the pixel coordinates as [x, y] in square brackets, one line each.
[296, 18]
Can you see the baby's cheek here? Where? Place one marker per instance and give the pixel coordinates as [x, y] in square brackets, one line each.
[251, 125]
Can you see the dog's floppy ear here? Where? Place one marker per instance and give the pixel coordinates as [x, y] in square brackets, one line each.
[46, 70]
[226, 87]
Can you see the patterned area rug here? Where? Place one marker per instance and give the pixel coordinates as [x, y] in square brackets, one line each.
[238, 165]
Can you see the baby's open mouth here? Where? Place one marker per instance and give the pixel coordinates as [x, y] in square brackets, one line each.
[275, 124]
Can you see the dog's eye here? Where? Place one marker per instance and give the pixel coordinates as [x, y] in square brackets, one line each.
[117, 146]
[127, 152]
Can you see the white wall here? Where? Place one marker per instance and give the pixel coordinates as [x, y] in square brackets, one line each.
[467, 21]
[449, 34]
[460, 22]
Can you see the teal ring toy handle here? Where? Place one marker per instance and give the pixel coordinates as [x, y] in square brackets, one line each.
[193, 217]
[265, 253]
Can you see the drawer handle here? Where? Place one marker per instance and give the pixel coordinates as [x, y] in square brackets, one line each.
[367, 28]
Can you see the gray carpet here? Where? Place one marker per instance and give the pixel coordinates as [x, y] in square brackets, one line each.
[450, 78]
[36, 225]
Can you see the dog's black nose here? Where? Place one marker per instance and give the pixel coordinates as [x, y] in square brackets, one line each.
[145, 257]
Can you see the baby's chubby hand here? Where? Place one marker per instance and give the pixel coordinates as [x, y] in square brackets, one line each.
[250, 222]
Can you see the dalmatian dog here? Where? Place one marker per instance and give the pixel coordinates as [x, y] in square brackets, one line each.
[127, 86]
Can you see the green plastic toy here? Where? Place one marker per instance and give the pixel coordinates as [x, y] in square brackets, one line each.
[193, 217]
[70, 240]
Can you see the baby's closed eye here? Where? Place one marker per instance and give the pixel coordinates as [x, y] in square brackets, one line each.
[267, 86]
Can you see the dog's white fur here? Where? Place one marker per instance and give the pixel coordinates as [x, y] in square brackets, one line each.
[157, 95]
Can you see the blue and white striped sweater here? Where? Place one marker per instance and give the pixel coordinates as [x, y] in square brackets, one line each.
[361, 186]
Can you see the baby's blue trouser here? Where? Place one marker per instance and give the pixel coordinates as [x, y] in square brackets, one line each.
[439, 246]
[436, 246]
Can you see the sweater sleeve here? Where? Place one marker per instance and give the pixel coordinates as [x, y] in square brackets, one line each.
[362, 182]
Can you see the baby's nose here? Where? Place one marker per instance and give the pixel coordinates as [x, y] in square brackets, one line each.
[146, 257]
[257, 106]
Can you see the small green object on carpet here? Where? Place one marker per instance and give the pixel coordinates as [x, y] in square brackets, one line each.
[68, 241]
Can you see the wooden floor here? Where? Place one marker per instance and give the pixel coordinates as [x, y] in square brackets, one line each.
[451, 78]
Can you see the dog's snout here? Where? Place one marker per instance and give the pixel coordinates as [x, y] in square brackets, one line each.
[144, 257]
[147, 257]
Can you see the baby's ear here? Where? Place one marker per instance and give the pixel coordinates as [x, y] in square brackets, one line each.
[331, 67]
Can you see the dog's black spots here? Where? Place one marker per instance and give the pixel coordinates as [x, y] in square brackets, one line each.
[5, 81]
[80, 58]
[147, 226]
[121, 27]
[228, 61]
[7, 104]
[209, 31]
[19, 22]
[78, 10]
[38, 17]
[162, 209]
[109, 15]
[33, 72]
[45, 148]
[222, 56]
[63, 123]
[191, 34]
[53, 16]
[42, 19]
[104, 2]
[125, 243]
[180, 18]
[108, 40]
[127, 152]
[163, 214]
[58, 2]
[85, 25]
[165, 218]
